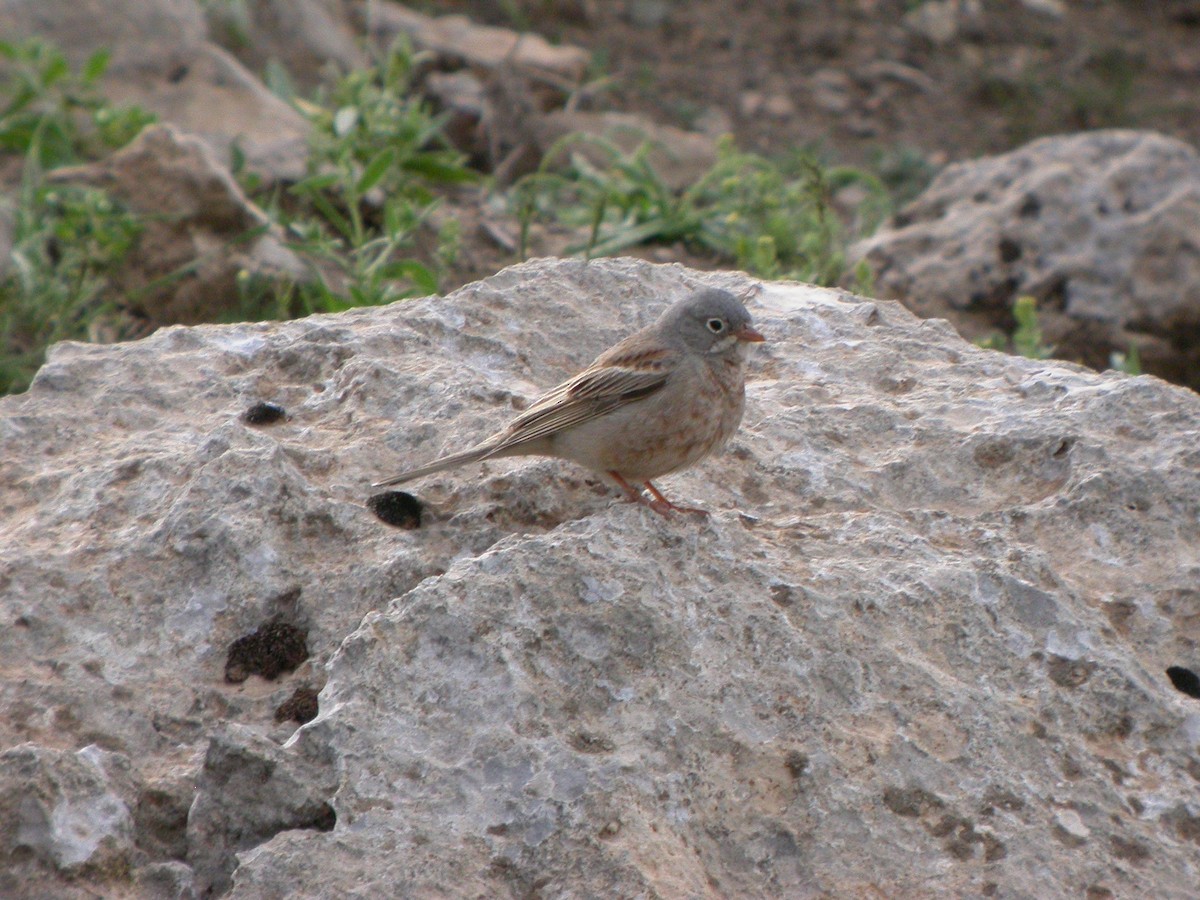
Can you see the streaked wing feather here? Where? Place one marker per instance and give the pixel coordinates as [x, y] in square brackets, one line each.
[614, 383]
[591, 393]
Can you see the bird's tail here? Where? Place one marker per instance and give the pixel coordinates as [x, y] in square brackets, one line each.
[440, 465]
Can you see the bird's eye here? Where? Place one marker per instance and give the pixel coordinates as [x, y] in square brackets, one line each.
[716, 326]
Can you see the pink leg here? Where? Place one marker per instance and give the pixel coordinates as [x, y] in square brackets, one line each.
[658, 495]
[659, 504]
[656, 501]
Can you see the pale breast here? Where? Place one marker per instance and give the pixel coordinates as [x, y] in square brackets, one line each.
[695, 414]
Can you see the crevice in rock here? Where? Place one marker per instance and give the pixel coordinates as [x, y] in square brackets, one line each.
[160, 821]
[250, 790]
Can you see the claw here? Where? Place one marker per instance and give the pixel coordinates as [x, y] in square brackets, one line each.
[659, 498]
[656, 501]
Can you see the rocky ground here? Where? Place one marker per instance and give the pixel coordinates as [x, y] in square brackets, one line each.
[937, 638]
[898, 87]
[907, 88]
[946, 79]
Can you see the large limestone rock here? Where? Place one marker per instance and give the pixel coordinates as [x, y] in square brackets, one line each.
[920, 647]
[1099, 227]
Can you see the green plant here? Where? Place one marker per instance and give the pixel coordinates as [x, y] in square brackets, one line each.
[774, 220]
[1026, 338]
[905, 171]
[67, 242]
[54, 114]
[1130, 363]
[863, 280]
[375, 156]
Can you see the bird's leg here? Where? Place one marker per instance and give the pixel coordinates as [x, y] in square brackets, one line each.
[659, 504]
[658, 496]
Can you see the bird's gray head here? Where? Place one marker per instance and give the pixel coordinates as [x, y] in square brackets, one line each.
[710, 321]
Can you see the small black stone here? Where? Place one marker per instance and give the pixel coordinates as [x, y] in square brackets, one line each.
[274, 648]
[396, 508]
[301, 707]
[1185, 680]
[264, 414]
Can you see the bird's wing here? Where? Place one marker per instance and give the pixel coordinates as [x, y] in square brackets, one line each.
[607, 384]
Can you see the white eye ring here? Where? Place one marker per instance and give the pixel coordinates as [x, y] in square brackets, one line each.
[716, 326]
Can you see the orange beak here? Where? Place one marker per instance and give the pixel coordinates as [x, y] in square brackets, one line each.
[749, 335]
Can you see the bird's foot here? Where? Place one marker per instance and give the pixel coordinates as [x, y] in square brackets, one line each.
[656, 501]
[660, 499]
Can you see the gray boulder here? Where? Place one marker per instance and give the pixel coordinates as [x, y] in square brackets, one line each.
[1099, 227]
[936, 638]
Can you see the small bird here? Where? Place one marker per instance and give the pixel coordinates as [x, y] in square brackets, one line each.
[659, 401]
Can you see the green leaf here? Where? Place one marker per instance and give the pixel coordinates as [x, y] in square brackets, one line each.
[627, 237]
[237, 157]
[1027, 336]
[332, 215]
[56, 69]
[315, 183]
[436, 168]
[416, 272]
[96, 66]
[375, 170]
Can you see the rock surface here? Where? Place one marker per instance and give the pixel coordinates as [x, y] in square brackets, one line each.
[919, 647]
[1099, 227]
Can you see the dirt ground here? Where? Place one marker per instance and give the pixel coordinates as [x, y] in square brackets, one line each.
[897, 83]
